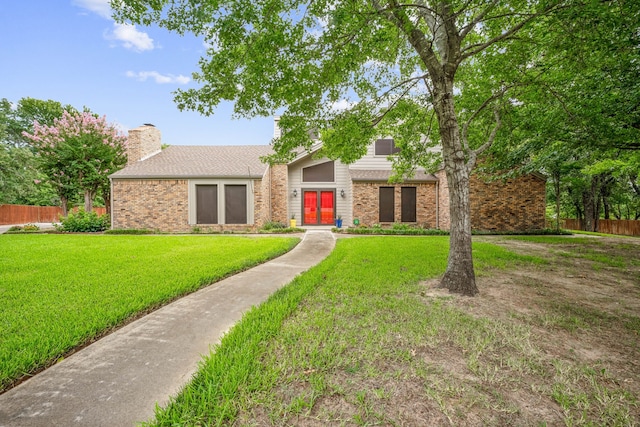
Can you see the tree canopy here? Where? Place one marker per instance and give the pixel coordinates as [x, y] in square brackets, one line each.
[21, 181]
[78, 151]
[533, 77]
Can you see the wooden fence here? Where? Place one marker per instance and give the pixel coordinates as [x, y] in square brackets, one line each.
[624, 227]
[23, 214]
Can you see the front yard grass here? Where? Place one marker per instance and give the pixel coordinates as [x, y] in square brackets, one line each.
[364, 338]
[58, 292]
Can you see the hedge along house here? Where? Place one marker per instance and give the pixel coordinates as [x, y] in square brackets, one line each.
[228, 188]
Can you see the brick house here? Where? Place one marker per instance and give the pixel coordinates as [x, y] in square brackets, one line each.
[228, 188]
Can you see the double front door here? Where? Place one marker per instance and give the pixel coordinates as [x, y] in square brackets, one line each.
[318, 207]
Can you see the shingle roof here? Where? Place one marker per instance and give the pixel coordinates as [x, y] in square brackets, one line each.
[184, 161]
[372, 175]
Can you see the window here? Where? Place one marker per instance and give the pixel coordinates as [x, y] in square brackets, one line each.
[408, 201]
[235, 204]
[206, 204]
[386, 204]
[324, 172]
[220, 201]
[385, 147]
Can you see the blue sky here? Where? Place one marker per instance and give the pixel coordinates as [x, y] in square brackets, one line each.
[71, 51]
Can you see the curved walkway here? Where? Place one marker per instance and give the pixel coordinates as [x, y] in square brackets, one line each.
[118, 380]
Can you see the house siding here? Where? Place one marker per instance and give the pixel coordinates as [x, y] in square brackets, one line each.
[366, 203]
[371, 161]
[342, 181]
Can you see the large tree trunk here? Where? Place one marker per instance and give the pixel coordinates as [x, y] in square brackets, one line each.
[88, 200]
[591, 205]
[107, 202]
[64, 205]
[459, 276]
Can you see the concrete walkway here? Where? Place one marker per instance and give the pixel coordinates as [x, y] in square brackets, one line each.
[118, 380]
[42, 225]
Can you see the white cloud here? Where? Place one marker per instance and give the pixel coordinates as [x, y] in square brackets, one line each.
[130, 37]
[158, 78]
[342, 105]
[100, 7]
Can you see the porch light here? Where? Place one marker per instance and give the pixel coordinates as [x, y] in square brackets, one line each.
[295, 193]
[341, 193]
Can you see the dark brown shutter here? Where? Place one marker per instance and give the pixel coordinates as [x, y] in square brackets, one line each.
[206, 204]
[324, 172]
[386, 204]
[385, 147]
[235, 204]
[408, 204]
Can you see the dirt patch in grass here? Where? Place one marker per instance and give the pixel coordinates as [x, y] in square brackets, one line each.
[582, 314]
[554, 343]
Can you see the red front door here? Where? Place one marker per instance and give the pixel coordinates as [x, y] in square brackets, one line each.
[319, 207]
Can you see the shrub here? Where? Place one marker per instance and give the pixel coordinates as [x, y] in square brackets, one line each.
[31, 227]
[273, 225]
[15, 228]
[83, 222]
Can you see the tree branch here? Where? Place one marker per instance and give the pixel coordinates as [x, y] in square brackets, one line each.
[415, 36]
[465, 127]
[388, 109]
[479, 17]
[479, 47]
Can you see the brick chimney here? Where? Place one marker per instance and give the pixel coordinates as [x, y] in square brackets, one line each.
[276, 127]
[144, 142]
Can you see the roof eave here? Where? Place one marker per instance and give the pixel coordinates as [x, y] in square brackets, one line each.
[186, 176]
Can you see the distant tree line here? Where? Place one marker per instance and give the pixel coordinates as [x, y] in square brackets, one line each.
[53, 154]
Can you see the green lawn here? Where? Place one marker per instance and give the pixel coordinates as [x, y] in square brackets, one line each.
[60, 291]
[360, 340]
[339, 316]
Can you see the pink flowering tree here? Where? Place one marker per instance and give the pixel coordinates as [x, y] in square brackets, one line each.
[78, 153]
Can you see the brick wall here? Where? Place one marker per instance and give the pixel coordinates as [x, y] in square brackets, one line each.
[164, 205]
[444, 217]
[366, 202]
[517, 204]
[279, 193]
[153, 204]
[260, 205]
[142, 142]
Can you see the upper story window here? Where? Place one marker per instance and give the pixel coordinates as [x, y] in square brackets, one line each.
[324, 172]
[386, 147]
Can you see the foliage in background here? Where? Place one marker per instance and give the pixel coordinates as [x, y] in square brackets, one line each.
[21, 181]
[79, 151]
[574, 112]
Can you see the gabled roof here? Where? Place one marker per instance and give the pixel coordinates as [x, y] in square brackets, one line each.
[185, 161]
[376, 175]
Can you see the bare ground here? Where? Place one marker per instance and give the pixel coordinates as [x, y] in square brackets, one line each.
[563, 348]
